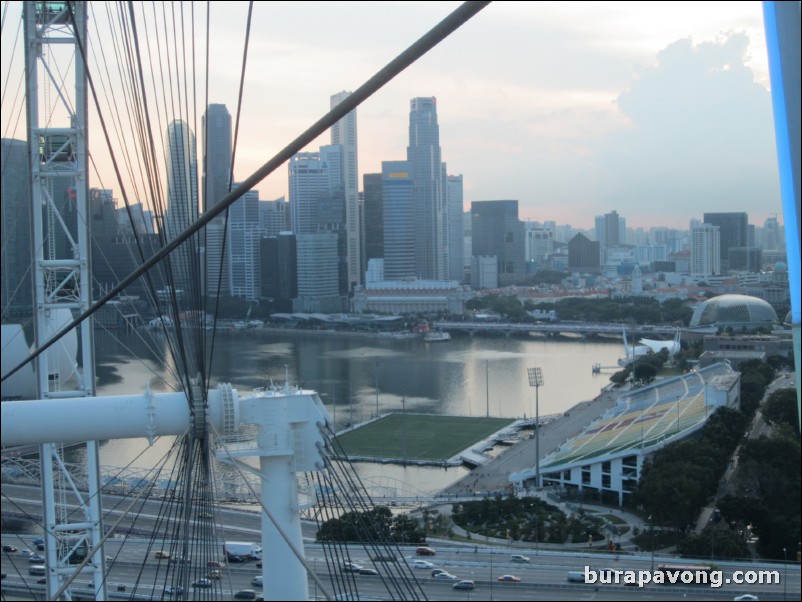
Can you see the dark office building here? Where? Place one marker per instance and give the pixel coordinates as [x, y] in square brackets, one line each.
[734, 232]
[279, 268]
[584, 255]
[746, 259]
[15, 275]
[374, 216]
[498, 232]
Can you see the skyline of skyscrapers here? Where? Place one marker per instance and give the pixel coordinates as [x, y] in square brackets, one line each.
[411, 214]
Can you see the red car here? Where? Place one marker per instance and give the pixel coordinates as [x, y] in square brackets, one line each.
[425, 551]
[509, 579]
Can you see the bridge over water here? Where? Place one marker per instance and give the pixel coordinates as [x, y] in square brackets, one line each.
[579, 328]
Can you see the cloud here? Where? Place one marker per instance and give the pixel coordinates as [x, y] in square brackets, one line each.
[699, 136]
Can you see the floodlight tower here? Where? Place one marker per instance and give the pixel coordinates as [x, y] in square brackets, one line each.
[536, 381]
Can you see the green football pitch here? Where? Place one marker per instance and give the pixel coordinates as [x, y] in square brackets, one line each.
[419, 436]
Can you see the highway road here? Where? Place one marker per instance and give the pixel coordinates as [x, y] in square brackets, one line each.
[544, 577]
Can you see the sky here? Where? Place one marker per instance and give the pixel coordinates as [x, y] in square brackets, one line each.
[658, 110]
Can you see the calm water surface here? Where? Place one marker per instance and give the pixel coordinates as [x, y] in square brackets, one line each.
[466, 376]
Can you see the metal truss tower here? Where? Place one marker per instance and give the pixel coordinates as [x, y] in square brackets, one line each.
[57, 141]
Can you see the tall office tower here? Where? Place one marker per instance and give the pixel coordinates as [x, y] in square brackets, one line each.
[425, 167]
[599, 229]
[373, 211]
[16, 292]
[344, 133]
[467, 241]
[140, 222]
[274, 216]
[182, 205]
[243, 247]
[216, 151]
[584, 255]
[318, 273]
[182, 179]
[733, 229]
[399, 220]
[309, 180]
[217, 273]
[331, 202]
[705, 251]
[216, 137]
[498, 232]
[771, 235]
[612, 229]
[456, 267]
[279, 270]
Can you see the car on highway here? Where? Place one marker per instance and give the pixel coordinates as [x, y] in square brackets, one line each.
[745, 598]
[464, 584]
[257, 581]
[519, 558]
[173, 591]
[365, 571]
[245, 594]
[422, 564]
[436, 572]
[509, 579]
[202, 583]
[216, 564]
[425, 551]
[8, 548]
[214, 574]
[42, 580]
[36, 559]
[351, 567]
[26, 553]
[161, 554]
[445, 577]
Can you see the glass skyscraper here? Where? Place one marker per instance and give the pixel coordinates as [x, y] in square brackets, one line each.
[428, 191]
[216, 154]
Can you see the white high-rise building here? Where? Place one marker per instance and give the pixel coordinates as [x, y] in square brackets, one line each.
[344, 133]
[705, 251]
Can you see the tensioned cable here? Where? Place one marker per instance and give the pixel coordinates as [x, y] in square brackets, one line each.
[231, 171]
[438, 33]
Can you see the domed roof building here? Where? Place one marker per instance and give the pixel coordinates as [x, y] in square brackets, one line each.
[734, 311]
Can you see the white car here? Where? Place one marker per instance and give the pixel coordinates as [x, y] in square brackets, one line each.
[422, 564]
[519, 558]
[445, 577]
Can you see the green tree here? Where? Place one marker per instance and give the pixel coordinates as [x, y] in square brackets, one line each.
[714, 542]
[781, 408]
